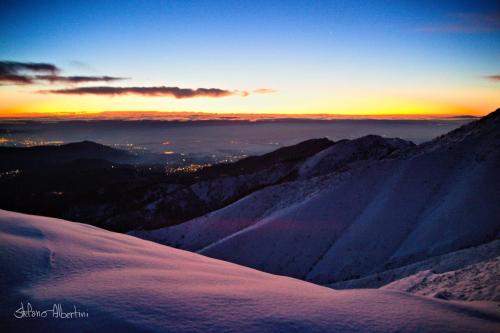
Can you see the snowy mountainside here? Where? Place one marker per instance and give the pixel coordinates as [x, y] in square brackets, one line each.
[347, 151]
[127, 284]
[451, 271]
[167, 204]
[369, 215]
[259, 204]
[473, 282]
[198, 233]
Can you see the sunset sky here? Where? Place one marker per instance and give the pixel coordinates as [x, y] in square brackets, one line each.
[339, 57]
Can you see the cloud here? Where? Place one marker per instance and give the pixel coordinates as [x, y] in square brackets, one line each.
[77, 79]
[15, 79]
[160, 91]
[493, 77]
[14, 67]
[264, 91]
[80, 65]
[26, 73]
[467, 23]
[22, 73]
[12, 71]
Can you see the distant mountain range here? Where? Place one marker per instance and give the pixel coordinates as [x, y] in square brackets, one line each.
[114, 189]
[361, 208]
[38, 156]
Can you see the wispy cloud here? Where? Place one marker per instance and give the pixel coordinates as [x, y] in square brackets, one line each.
[466, 23]
[264, 91]
[160, 91]
[12, 72]
[493, 77]
[80, 65]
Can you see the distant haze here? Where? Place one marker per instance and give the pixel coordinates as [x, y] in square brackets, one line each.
[215, 140]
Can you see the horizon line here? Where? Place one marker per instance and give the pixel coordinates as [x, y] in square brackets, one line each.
[206, 115]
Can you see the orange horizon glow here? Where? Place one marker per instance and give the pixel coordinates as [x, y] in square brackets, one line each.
[183, 115]
[330, 60]
[347, 103]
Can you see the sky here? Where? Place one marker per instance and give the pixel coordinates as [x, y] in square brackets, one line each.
[282, 57]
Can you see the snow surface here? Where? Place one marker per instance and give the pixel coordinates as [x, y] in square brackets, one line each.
[479, 256]
[346, 151]
[474, 282]
[380, 210]
[126, 284]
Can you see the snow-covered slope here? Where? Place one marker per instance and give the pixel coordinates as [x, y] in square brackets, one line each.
[125, 284]
[369, 147]
[182, 197]
[468, 274]
[371, 214]
[473, 282]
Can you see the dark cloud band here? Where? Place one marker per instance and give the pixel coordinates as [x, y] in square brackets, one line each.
[160, 91]
[77, 79]
[15, 79]
[14, 67]
[12, 72]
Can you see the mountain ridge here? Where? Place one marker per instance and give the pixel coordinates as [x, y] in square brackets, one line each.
[33, 157]
[363, 217]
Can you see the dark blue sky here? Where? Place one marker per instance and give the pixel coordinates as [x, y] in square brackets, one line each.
[319, 56]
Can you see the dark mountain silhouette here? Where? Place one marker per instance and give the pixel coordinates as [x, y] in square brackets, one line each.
[34, 157]
[90, 182]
